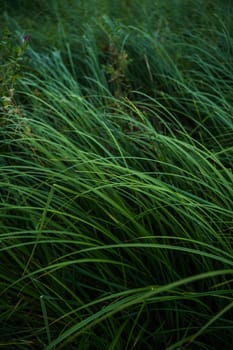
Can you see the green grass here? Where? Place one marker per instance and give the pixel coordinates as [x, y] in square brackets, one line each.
[116, 179]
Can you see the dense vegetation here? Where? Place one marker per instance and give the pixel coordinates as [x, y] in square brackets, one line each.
[116, 184]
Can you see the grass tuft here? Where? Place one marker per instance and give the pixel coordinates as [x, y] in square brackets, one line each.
[116, 180]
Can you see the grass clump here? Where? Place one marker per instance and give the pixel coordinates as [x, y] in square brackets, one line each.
[116, 189]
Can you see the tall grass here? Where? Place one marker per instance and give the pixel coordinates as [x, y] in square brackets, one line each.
[116, 194]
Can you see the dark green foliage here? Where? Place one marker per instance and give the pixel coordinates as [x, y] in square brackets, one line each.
[116, 193]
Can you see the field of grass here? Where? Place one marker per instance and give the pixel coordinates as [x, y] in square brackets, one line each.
[116, 183]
